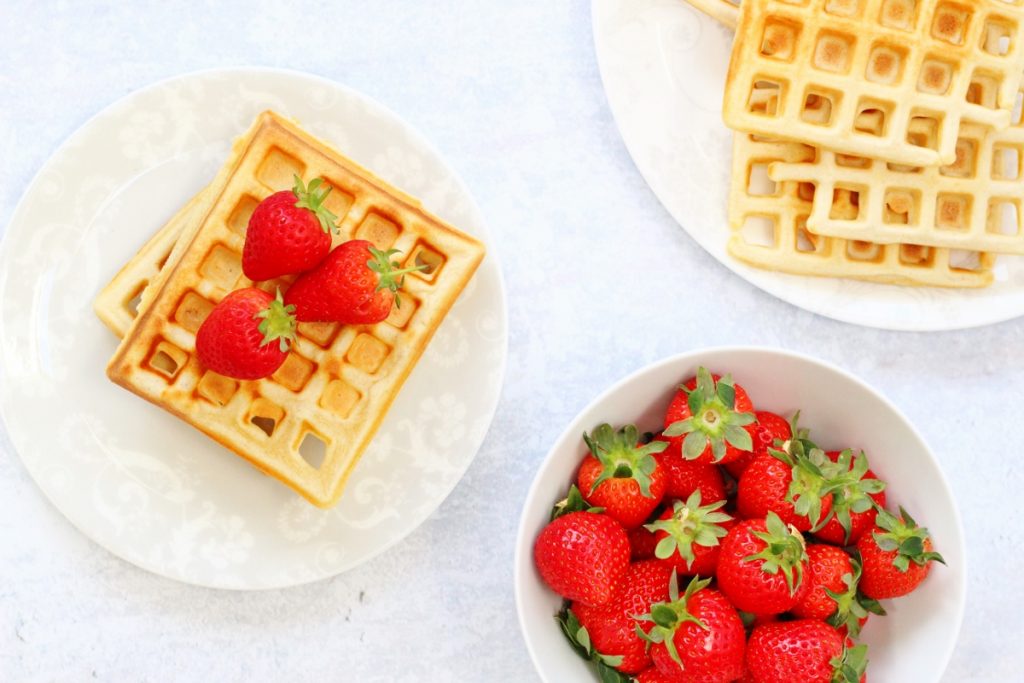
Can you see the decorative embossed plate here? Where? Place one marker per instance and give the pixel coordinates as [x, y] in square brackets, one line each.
[142, 483]
[663, 64]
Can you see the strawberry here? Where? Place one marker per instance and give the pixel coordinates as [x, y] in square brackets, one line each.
[688, 533]
[762, 565]
[895, 556]
[803, 651]
[611, 627]
[642, 543]
[714, 415]
[652, 675]
[246, 335]
[789, 482]
[686, 476]
[356, 284]
[856, 494]
[582, 555]
[698, 637]
[827, 568]
[851, 607]
[768, 429]
[622, 476]
[289, 232]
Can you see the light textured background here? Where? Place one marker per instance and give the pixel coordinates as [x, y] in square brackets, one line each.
[600, 282]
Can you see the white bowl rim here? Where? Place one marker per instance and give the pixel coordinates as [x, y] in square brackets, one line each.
[524, 545]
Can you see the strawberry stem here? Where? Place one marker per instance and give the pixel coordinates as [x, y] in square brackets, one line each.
[312, 197]
[391, 274]
[277, 322]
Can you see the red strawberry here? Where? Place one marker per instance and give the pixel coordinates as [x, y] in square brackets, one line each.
[356, 285]
[714, 415]
[688, 534]
[652, 675]
[642, 543]
[895, 556]
[581, 556]
[851, 607]
[768, 429]
[612, 627]
[685, 476]
[289, 232]
[790, 483]
[827, 568]
[856, 493]
[762, 566]
[246, 335]
[698, 637]
[621, 476]
[804, 651]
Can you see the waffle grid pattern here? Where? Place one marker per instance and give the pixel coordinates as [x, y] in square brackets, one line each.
[974, 203]
[768, 222]
[338, 381]
[887, 79]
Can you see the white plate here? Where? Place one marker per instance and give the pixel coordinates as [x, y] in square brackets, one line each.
[142, 483]
[915, 641]
[663, 64]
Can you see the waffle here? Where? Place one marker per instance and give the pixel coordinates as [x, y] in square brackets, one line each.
[120, 301]
[866, 77]
[974, 203]
[724, 12]
[769, 230]
[309, 422]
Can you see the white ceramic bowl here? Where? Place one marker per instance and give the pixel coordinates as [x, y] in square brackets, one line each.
[914, 642]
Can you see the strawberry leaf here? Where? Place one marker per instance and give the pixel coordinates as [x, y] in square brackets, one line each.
[277, 323]
[312, 198]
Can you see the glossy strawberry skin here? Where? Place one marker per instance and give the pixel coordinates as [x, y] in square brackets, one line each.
[746, 585]
[767, 429]
[860, 522]
[229, 341]
[678, 409]
[582, 556]
[711, 655]
[622, 498]
[790, 651]
[826, 567]
[642, 543]
[341, 289]
[652, 675]
[683, 476]
[705, 558]
[282, 239]
[763, 488]
[879, 578]
[612, 626]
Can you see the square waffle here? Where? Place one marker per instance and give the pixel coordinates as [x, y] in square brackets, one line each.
[769, 230]
[887, 79]
[973, 203]
[307, 424]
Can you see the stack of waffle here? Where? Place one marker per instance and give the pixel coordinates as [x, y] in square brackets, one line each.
[308, 423]
[876, 139]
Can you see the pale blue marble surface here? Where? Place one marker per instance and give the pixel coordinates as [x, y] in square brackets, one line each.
[600, 280]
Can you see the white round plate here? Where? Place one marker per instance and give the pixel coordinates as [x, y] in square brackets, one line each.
[663, 64]
[142, 483]
[915, 641]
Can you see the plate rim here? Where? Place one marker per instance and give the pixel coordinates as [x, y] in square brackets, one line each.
[762, 279]
[414, 133]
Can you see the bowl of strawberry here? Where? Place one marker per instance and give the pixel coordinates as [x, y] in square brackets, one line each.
[740, 514]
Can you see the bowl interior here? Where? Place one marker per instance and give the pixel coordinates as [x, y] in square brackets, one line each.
[915, 640]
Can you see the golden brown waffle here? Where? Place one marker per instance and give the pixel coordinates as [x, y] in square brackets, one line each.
[769, 230]
[120, 301]
[887, 79]
[308, 424]
[974, 203]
